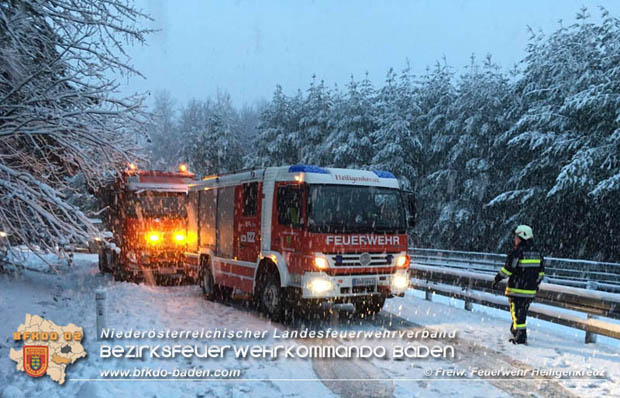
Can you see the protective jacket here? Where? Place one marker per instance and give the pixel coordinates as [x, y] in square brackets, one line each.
[524, 268]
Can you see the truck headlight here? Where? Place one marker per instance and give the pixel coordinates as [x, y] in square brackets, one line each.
[154, 237]
[400, 282]
[402, 261]
[179, 237]
[319, 286]
[320, 262]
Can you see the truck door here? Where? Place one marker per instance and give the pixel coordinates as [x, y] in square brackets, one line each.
[206, 214]
[224, 223]
[247, 221]
[289, 222]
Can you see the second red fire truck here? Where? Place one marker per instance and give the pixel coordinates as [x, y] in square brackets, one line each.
[147, 216]
[297, 236]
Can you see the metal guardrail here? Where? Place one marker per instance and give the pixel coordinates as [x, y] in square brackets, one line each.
[469, 276]
[560, 271]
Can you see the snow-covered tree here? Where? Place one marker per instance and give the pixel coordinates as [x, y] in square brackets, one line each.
[314, 122]
[563, 151]
[59, 116]
[463, 173]
[211, 143]
[349, 143]
[278, 124]
[165, 144]
[247, 126]
[397, 145]
[434, 127]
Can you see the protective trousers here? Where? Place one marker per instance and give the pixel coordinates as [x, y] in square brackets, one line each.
[518, 311]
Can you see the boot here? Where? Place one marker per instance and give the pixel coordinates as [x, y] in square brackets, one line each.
[513, 331]
[520, 337]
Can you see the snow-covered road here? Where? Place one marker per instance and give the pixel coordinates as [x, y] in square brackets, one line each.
[68, 297]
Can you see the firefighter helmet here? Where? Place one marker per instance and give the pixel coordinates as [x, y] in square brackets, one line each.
[524, 232]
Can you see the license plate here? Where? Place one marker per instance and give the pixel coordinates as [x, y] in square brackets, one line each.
[364, 281]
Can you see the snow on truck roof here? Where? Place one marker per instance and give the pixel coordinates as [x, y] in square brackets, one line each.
[306, 173]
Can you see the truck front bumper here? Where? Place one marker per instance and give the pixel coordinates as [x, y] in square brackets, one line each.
[160, 263]
[322, 285]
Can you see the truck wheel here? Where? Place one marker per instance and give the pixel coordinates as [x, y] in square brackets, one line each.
[206, 281]
[271, 296]
[225, 292]
[367, 307]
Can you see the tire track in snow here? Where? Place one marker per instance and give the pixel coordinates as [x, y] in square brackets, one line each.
[469, 354]
[351, 378]
[347, 378]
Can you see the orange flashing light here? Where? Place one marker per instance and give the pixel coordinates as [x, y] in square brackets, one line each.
[180, 237]
[183, 168]
[154, 237]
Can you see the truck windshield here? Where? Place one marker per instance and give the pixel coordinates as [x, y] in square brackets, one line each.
[156, 204]
[355, 209]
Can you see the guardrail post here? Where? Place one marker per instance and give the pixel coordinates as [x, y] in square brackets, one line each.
[590, 336]
[428, 294]
[469, 306]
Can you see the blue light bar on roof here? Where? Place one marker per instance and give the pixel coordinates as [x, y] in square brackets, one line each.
[383, 174]
[306, 169]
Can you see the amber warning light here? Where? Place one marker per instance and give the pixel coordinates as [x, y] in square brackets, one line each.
[153, 237]
[180, 237]
[156, 237]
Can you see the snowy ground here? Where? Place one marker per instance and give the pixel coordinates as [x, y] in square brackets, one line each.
[66, 295]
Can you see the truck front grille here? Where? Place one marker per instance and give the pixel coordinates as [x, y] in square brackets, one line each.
[362, 259]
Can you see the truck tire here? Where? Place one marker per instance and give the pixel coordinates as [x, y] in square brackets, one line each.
[271, 297]
[206, 281]
[367, 307]
[224, 292]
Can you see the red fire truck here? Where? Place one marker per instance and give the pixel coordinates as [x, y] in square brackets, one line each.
[147, 216]
[300, 236]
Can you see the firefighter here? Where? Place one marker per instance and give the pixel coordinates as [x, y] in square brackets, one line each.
[525, 270]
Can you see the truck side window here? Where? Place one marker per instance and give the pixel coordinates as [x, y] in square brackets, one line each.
[250, 198]
[289, 205]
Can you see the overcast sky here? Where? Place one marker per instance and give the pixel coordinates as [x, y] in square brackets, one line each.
[247, 47]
